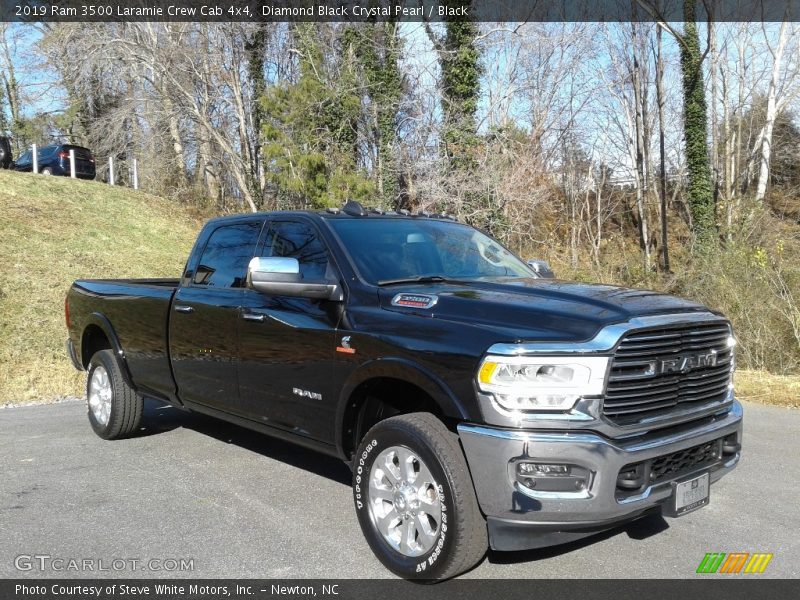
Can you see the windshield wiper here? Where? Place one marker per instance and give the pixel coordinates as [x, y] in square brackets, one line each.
[418, 279]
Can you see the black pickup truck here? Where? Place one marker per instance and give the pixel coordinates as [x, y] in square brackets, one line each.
[477, 402]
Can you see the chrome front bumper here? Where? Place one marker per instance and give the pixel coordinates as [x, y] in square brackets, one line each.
[521, 518]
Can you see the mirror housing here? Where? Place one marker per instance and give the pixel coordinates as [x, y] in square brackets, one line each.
[541, 268]
[280, 276]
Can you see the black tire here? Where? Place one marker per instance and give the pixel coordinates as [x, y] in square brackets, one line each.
[461, 538]
[47, 171]
[127, 406]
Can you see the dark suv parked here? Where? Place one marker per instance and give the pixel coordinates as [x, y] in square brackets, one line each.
[5, 153]
[54, 160]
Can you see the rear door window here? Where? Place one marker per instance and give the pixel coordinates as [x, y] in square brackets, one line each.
[223, 263]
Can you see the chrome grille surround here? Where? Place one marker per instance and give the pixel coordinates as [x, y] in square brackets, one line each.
[674, 367]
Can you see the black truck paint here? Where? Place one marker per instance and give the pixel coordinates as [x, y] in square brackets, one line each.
[309, 370]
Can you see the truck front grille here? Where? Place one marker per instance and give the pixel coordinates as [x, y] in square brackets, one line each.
[655, 372]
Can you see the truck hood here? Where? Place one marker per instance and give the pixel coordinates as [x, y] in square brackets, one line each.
[536, 309]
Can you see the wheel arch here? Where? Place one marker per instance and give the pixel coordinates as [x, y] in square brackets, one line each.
[401, 376]
[99, 334]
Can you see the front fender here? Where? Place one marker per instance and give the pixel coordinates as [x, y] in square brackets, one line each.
[405, 370]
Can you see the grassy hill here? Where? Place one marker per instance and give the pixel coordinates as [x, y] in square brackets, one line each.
[54, 230]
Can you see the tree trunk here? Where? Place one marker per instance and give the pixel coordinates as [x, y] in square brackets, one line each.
[208, 172]
[175, 137]
[256, 49]
[712, 40]
[662, 153]
[641, 169]
[10, 78]
[740, 71]
[695, 128]
[772, 113]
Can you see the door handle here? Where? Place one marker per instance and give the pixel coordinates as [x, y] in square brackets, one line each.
[182, 308]
[254, 317]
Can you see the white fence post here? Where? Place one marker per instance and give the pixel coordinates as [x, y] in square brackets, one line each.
[72, 163]
[111, 170]
[135, 174]
[35, 158]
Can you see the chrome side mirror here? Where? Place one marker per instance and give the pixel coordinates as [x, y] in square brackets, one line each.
[541, 268]
[280, 276]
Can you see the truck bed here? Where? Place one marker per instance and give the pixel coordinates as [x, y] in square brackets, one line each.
[139, 311]
[158, 282]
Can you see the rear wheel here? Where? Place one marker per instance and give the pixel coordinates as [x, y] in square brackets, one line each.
[415, 501]
[115, 409]
[47, 171]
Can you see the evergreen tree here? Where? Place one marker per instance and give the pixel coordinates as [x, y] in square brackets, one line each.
[700, 189]
[378, 47]
[461, 72]
[311, 129]
[256, 55]
[461, 75]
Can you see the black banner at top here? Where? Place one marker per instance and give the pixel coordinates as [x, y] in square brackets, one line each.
[53, 11]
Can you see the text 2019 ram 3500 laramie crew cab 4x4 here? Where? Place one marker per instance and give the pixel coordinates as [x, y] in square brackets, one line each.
[476, 402]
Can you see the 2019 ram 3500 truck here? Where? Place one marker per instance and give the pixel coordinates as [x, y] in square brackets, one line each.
[476, 402]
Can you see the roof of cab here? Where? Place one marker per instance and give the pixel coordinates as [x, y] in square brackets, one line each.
[350, 210]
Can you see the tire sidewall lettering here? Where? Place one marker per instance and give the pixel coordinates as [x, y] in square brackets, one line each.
[431, 559]
[360, 472]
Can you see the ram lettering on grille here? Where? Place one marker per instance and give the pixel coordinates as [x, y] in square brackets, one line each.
[656, 370]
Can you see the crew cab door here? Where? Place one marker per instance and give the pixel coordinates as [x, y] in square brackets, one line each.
[287, 344]
[204, 316]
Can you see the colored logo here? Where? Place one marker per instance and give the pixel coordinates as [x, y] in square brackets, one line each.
[734, 562]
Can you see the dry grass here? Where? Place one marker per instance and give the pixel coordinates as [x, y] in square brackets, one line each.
[766, 388]
[53, 231]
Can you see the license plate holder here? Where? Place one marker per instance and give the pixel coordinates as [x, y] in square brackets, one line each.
[690, 494]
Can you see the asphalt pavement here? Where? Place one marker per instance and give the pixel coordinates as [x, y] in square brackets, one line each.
[194, 497]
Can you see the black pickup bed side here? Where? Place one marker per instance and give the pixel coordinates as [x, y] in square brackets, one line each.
[139, 311]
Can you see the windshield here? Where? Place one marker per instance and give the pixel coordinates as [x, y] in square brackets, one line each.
[391, 250]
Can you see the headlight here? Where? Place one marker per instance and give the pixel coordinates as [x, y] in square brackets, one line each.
[542, 382]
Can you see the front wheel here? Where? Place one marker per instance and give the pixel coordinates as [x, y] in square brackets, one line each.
[415, 501]
[115, 409]
[47, 171]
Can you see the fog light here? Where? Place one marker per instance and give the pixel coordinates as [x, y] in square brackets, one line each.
[552, 477]
[543, 469]
[731, 445]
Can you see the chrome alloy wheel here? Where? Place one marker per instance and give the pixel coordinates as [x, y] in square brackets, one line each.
[404, 501]
[100, 395]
